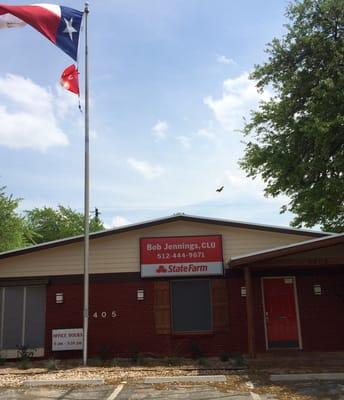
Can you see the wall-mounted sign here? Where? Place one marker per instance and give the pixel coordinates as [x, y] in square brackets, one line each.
[67, 339]
[163, 257]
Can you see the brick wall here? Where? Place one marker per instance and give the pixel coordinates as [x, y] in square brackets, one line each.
[133, 329]
[322, 317]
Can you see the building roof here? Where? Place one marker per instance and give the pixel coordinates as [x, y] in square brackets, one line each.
[164, 220]
[287, 250]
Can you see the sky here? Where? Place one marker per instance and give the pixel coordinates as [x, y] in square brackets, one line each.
[169, 94]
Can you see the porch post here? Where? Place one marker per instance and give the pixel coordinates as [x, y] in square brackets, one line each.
[249, 313]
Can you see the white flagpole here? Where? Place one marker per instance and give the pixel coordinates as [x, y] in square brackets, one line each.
[86, 198]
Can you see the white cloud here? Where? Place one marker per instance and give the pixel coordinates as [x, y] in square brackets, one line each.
[117, 221]
[238, 98]
[28, 115]
[225, 60]
[147, 170]
[65, 101]
[159, 130]
[205, 132]
[184, 141]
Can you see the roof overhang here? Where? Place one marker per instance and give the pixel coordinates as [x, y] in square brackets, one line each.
[255, 259]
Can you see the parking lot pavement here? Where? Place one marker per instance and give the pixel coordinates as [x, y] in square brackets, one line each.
[86, 393]
[139, 391]
[321, 390]
[131, 391]
[195, 392]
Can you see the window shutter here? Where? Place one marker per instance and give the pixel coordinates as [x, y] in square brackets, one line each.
[162, 308]
[220, 305]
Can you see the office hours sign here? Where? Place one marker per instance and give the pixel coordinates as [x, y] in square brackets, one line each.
[67, 339]
[163, 257]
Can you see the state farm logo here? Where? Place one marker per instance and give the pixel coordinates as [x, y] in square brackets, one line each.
[160, 269]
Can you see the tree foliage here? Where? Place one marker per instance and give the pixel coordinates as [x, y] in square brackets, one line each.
[297, 136]
[50, 224]
[13, 230]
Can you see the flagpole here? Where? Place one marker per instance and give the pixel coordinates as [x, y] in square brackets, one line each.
[86, 198]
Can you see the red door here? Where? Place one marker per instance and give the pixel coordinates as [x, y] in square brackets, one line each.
[280, 313]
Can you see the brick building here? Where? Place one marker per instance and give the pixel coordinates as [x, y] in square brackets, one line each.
[176, 284]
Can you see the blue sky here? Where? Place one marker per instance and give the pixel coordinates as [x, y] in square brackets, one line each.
[169, 90]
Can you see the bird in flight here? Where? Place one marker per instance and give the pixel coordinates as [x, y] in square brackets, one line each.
[220, 189]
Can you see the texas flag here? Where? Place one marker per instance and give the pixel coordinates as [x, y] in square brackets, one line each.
[61, 25]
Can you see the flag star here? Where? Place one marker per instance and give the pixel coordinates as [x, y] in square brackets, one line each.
[69, 28]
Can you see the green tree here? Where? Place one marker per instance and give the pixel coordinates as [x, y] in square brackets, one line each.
[296, 138]
[50, 224]
[13, 230]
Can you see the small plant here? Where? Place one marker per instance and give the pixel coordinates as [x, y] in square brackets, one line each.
[135, 355]
[239, 361]
[196, 351]
[95, 362]
[203, 362]
[2, 360]
[25, 363]
[51, 365]
[25, 354]
[224, 357]
[138, 358]
[119, 362]
[171, 361]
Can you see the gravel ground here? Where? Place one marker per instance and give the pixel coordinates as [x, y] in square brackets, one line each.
[11, 376]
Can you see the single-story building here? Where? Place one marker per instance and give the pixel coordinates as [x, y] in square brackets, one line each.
[176, 286]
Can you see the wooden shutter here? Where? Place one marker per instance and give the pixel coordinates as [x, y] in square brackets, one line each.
[220, 304]
[162, 308]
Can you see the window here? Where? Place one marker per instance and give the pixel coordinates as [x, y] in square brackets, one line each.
[191, 306]
[22, 316]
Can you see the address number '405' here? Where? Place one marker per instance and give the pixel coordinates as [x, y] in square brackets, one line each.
[105, 314]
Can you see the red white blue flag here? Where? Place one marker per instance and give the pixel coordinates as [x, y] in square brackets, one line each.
[61, 25]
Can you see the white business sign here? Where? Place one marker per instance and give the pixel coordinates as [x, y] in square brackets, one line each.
[67, 339]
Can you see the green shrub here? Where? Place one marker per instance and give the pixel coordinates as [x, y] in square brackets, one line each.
[25, 363]
[239, 361]
[95, 362]
[135, 355]
[171, 360]
[25, 355]
[203, 362]
[224, 357]
[120, 362]
[51, 365]
[2, 360]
